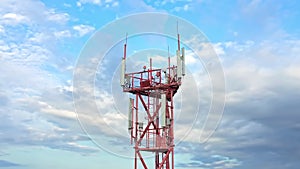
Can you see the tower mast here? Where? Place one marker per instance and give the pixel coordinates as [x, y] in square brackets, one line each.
[153, 91]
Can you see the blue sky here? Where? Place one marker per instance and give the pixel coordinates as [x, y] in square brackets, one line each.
[257, 42]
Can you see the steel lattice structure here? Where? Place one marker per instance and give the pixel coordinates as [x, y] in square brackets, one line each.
[153, 91]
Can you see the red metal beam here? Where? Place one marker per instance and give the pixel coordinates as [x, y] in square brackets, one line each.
[144, 132]
[164, 159]
[144, 104]
[142, 160]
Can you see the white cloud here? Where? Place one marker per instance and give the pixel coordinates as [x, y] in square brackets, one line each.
[46, 108]
[171, 5]
[95, 2]
[52, 15]
[218, 49]
[62, 34]
[78, 4]
[294, 72]
[106, 3]
[2, 30]
[114, 4]
[211, 161]
[13, 16]
[29, 66]
[260, 101]
[16, 12]
[39, 37]
[185, 7]
[67, 5]
[25, 54]
[14, 19]
[83, 29]
[254, 87]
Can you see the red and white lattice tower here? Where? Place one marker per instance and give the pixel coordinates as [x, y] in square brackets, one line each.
[153, 91]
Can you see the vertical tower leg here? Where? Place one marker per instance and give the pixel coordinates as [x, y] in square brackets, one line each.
[156, 160]
[173, 158]
[135, 160]
[167, 163]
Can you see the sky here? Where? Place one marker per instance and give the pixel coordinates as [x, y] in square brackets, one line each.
[61, 105]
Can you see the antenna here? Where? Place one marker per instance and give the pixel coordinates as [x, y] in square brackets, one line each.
[123, 65]
[125, 47]
[178, 38]
[169, 61]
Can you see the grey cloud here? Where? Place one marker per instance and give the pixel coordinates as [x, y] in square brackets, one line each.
[5, 163]
[261, 122]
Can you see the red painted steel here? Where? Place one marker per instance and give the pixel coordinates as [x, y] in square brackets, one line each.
[150, 86]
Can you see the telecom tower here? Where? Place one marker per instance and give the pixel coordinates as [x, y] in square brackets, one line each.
[153, 91]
